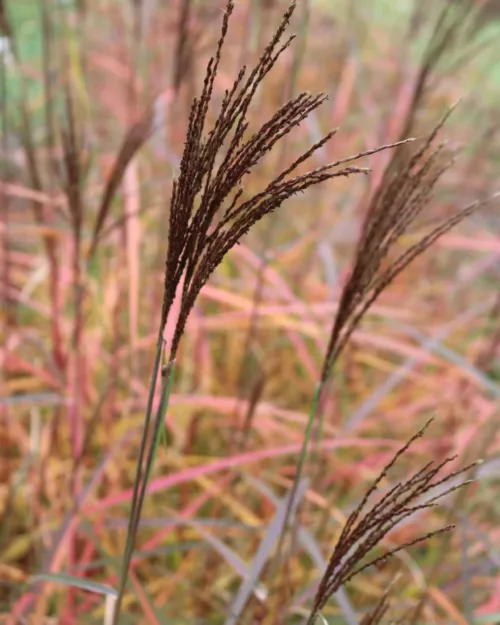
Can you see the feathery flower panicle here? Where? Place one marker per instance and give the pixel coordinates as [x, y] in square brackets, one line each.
[365, 529]
[397, 205]
[207, 213]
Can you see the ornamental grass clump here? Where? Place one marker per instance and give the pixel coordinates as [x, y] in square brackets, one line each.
[211, 210]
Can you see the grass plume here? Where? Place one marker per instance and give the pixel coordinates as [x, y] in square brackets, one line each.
[365, 529]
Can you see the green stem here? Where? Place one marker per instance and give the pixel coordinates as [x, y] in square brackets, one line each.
[133, 516]
[300, 467]
[168, 378]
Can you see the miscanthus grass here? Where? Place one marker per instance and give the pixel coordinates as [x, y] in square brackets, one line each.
[208, 215]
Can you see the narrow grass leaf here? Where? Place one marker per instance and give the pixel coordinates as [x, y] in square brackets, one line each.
[168, 378]
[311, 546]
[75, 582]
[263, 553]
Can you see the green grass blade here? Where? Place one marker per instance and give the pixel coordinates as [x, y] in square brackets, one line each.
[162, 409]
